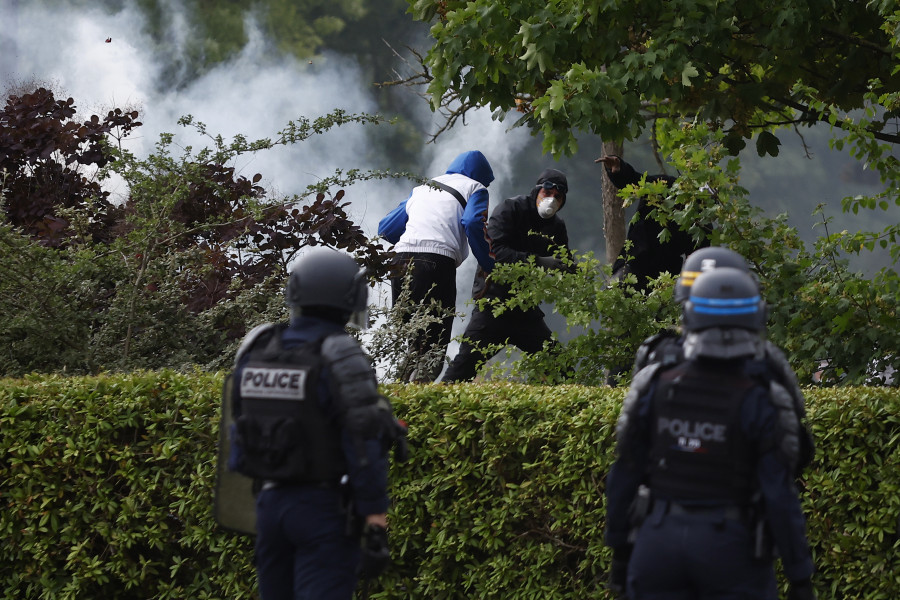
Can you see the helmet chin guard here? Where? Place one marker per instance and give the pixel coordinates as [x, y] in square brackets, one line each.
[723, 343]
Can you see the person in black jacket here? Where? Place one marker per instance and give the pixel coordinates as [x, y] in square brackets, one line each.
[522, 226]
[649, 256]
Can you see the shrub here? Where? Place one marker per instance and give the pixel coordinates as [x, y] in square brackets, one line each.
[107, 491]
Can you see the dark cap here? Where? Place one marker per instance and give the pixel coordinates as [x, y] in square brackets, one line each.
[557, 177]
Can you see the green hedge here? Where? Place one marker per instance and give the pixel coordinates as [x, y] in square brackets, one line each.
[107, 486]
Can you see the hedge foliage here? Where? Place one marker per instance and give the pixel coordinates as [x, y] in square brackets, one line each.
[106, 487]
[107, 491]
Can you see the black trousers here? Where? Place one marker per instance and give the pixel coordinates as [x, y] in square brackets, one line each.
[525, 330]
[683, 557]
[431, 276]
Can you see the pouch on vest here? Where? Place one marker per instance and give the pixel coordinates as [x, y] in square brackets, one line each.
[282, 432]
[699, 451]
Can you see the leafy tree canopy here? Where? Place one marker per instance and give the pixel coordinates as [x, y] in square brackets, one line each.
[604, 66]
[711, 74]
[838, 327]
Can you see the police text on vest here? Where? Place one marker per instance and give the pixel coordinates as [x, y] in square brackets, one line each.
[278, 384]
[692, 434]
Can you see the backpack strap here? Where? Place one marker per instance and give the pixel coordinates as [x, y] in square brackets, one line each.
[452, 191]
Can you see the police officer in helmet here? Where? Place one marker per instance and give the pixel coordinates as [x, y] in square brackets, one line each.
[667, 347]
[702, 490]
[312, 430]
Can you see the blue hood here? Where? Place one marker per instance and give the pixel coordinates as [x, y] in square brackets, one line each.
[473, 165]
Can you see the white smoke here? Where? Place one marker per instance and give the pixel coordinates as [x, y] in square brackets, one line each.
[68, 49]
[105, 60]
[254, 95]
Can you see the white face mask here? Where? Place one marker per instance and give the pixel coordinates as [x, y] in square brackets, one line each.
[548, 206]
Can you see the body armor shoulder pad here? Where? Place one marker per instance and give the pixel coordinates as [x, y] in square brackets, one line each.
[366, 414]
[784, 375]
[649, 350]
[638, 388]
[787, 433]
[353, 381]
[256, 334]
[782, 370]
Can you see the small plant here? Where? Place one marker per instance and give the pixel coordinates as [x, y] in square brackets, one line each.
[174, 274]
[400, 345]
[614, 318]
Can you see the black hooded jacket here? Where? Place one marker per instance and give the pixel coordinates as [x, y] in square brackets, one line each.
[517, 231]
[651, 257]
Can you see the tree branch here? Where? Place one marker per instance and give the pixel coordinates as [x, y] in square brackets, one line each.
[862, 42]
[824, 118]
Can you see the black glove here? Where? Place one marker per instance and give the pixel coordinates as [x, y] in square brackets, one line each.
[801, 590]
[550, 263]
[375, 556]
[618, 571]
[401, 447]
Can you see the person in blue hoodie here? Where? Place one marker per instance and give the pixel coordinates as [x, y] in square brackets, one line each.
[432, 232]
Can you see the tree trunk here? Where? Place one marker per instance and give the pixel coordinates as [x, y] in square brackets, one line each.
[613, 211]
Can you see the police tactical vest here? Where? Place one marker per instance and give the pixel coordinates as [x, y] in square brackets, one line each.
[699, 451]
[282, 433]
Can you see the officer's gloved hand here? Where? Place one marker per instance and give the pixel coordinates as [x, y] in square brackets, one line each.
[375, 555]
[618, 572]
[401, 446]
[801, 590]
[550, 263]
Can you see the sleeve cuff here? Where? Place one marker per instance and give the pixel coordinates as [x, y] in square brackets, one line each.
[799, 572]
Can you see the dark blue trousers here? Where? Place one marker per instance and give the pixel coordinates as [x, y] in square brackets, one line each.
[302, 550]
[697, 556]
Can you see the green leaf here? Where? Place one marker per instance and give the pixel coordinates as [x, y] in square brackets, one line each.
[688, 72]
[767, 143]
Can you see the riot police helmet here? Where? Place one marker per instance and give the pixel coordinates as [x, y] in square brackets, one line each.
[724, 297]
[330, 281]
[702, 260]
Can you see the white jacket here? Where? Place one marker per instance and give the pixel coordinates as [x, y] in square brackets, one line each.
[436, 219]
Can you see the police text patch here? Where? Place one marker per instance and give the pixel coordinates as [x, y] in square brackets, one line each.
[691, 434]
[274, 383]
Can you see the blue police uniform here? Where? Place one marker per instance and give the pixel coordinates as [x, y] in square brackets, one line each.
[704, 475]
[307, 546]
[667, 348]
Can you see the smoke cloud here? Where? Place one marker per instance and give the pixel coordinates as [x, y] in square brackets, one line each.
[254, 94]
[105, 60]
